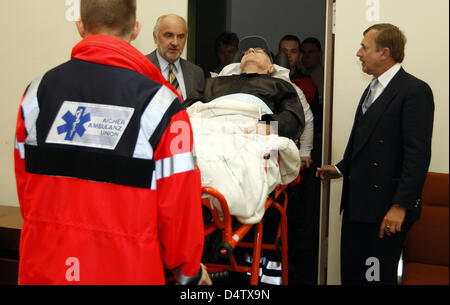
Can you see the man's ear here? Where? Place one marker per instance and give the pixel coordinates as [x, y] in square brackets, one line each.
[271, 69]
[136, 31]
[386, 52]
[80, 28]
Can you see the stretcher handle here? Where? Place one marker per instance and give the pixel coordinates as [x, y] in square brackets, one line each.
[226, 223]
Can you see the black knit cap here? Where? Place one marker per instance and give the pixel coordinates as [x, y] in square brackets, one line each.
[254, 42]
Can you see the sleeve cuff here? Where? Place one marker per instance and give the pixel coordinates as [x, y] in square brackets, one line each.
[189, 280]
[339, 172]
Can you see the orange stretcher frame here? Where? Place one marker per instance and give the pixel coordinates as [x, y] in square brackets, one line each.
[232, 239]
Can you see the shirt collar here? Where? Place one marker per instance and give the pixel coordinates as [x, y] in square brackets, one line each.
[163, 64]
[388, 75]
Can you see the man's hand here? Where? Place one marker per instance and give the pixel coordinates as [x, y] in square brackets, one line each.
[306, 162]
[204, 280]
[327, 172]
[392, 222]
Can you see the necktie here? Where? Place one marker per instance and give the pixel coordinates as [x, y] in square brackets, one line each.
[370, 96]
[173, 79]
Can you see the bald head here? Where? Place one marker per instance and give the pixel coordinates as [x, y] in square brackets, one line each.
[170, 35]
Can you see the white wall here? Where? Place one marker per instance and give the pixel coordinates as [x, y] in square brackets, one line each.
[36, 36]
[274, 19]
[425, 24]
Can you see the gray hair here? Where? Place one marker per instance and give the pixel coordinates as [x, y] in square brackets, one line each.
[157, 27]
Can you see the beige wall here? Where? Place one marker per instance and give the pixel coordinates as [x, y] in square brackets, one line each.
[425, 24]
[36, 36]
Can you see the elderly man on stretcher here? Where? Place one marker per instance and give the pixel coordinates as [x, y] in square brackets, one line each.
[245, 122]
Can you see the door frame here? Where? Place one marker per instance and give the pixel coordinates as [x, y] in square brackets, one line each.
[326, 140]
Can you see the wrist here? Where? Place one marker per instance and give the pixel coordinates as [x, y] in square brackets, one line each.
[399, 206]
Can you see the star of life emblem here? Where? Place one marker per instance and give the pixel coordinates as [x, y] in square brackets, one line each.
[74, 123]
[89, 125]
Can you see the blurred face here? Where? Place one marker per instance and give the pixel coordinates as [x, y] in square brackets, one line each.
[371, 58]
[312, 56]
[171, 38]
[292, 50]
[256, 60]
[225, 54]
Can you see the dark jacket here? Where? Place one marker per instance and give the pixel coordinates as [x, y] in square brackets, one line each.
[193, 75]
[279, 95]
[389, 150]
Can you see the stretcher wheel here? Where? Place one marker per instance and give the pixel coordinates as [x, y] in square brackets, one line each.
[225, 250]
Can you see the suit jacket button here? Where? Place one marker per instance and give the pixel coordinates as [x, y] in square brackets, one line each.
[375, 164]
[381, 142]
[376, 187]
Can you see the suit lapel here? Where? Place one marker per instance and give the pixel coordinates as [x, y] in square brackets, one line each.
[348, 150]
[188, 79]
[373, 115]
[154, 59]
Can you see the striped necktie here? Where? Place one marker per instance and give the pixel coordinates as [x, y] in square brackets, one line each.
[370, 96]
[173, 79]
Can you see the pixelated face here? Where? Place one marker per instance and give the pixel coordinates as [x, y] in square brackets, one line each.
[171, 38]
[292, 50]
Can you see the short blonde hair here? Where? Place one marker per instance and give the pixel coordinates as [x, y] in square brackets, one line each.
[118, 15]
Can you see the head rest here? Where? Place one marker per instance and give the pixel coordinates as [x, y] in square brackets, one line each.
[282, 59]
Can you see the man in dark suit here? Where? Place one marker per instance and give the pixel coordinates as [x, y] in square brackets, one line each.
[385, 162]
[170, 35]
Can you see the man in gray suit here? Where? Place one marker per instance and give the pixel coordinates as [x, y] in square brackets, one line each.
[170, 35]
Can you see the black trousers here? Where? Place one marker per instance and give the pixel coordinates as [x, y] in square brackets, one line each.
[367, 259]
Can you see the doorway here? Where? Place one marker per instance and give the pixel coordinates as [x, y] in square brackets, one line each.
[273, 20]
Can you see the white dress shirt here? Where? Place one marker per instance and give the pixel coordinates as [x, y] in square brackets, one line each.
[164, 65]
[384, 80]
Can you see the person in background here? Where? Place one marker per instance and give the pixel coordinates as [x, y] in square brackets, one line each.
[304, 198]
[311, 62]
[170, 35]
[290, 44]
[225, 47]
[98, 203]
[385, 163]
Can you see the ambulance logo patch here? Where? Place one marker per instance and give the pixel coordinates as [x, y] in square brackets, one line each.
[90, 125]
[74, 123]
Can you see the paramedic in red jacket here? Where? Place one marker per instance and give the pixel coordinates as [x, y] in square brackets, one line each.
[108, 186]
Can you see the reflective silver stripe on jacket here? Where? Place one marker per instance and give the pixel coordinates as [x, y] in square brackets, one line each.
[150, 120]
[30, 111]
[20, 146]
[176, 164]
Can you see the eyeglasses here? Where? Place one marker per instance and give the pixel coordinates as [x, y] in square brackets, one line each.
[256, 50]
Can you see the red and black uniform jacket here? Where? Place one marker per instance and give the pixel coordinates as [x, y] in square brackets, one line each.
[108, 186]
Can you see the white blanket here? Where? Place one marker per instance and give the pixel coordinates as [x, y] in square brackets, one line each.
[232, 161]
[306, 139]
